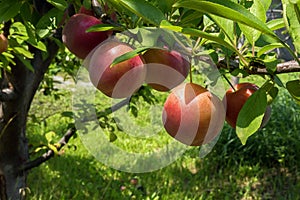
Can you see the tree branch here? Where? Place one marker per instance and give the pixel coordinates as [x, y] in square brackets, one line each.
[286, 67]
[50, 153]
[65, 139]
[40, 67]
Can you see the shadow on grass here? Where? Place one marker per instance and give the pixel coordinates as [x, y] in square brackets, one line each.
[267, 167]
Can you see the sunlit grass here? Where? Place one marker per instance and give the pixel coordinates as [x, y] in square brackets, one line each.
[267, 167]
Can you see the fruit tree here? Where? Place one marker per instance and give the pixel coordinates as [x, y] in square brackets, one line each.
[241, 38]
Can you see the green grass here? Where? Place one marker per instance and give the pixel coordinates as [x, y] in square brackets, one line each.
[267, 167]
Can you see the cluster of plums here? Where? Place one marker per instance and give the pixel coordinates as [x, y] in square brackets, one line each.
[191, 114]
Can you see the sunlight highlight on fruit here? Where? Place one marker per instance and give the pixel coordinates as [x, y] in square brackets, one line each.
[120, 80]
[193, 115]
[77, 40]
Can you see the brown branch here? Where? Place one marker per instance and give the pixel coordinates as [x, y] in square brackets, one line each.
[286, 67]
[50, 153]
[40, 66]
[65, 139]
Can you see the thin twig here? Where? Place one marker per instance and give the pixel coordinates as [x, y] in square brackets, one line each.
[231, 85]
[65, 139]
[50, 153]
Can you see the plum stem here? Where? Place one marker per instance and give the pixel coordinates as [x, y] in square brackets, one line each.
[191, 76]
[228, 81]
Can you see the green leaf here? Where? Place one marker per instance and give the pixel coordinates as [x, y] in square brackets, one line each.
[112, 137]
[68, 114]
[51, 18]
[26, 62]
[271, 62]
[251, 115]
[40, 148]
[276, 24]
[40, 45]
[18, 29]
[271, 91]
[23, 51]
[227, 26]
[165, 5]
[26, 11]
[129, 55]
[33, 39]
[267, 86]
[60, 4]
[291, 13]
[189, 18]
[53, 148]
[239, 72]
[257, 9]
[3, 60]
[235, 12]
[266, 4]
[115, 4]
[269, 47]
[48, 22]
[149, 36]
[278, 81]
[228, 10]
[294, 1]
[294, 89]
[50, 136]
[9, 9]
[272, 94]
[166, 25]
[30, 29]
[87, 4]
[104, 27]
[144, 10]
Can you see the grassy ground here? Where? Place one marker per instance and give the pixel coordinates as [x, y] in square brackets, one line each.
[267, 167]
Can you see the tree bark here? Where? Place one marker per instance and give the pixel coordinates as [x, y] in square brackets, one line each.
[18, 89]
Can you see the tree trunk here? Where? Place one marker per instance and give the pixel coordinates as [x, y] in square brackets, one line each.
[18, 89]
[13, 148]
